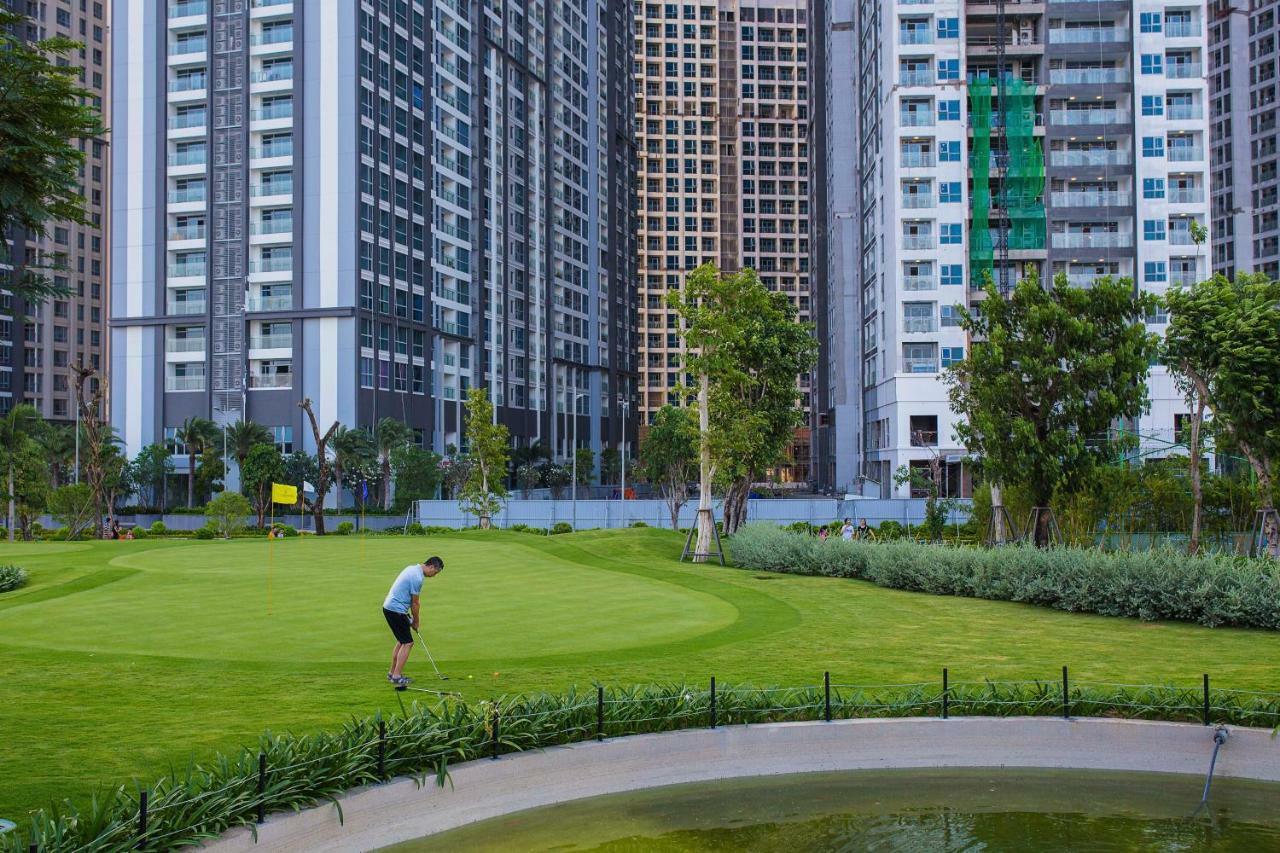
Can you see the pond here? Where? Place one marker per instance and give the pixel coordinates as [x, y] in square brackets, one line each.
[895, 811]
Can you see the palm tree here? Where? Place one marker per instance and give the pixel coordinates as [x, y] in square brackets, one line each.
[243, 436]
[59, 446]
[351, 449]
[196, 433]
[22, 422]
[390, 434]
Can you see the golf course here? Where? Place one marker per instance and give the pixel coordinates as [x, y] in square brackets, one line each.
[122, 660]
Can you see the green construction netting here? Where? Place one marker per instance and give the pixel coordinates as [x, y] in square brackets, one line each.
[1020, 194]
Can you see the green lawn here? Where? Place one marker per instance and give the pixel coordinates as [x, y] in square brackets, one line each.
[123, 659]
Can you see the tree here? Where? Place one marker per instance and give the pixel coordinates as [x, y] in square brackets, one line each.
[1224, 340]
[244, 436]
[72, 508]
[324, 472]
[229, 511]
[936, 509]
[29, 474]
[263, 466]
[455, 469]
[46, 123]
[528, 475]
[557, 477]
[417, 475]
[1050, 370]
[101, 462]
[16, 430]
[353, 455]
[484, 489]
[196, 434]
[669, 457]
[747, 350]
[586, 465]
[300, 468]
[59, 445]
[389, 436]
[610, 465]
[152, 467]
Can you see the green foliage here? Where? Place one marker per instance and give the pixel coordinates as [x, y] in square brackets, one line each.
[1051, 369]
[354, 460]
[391, 436]
[158, 528]
[139, 532]
[151, 466]
[72, 507]
[745, 340]
[669, 456]
[417, 475]
[561, 527]
[889, 530]
[415, 528]
[1148, 585]
[209, 531]
[244, 436]
[288, 530]
[586, 461]
[344, 528]
[611, 466]
[197, 435]
[229, 512]
[557, 478]
[262, 466]
[637, 524]
[12, 577]
[524, 528]
[484, 490]
[46, 122]
[1224, 341]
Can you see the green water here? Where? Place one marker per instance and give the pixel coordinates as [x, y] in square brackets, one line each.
[895, 812]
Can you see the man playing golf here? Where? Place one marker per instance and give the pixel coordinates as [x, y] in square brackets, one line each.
[401, 612]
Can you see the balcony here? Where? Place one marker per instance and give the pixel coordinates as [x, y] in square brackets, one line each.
[268, 265]
[1180, 237]
[262, 4]
[457, 329]
[187, 196]
[267, 152]
[918, 159]
[185, 345]
[1089, 35]
[1182, 279]
[280, 340]
[187, 232]
[1184, 154]
[1091, 240]
[1089, 158]
[273, 112]
[1079, 117]
[184, 383]
[186, 270]
[1087, 76]
[186, 47]
[919, 118]
[189, 83]
[271, 226]
[185, 307]
[918, 201]
[919, 365]
[1183, 70]
[918, 282]
[1085, 279]
[917, 241]
[1184, 112]
[186, 121]
[915, 36]
[915, 78]
[1181, 29]
[919, 325]
[273, 75]
[1186, 195]
[271, 380]
[1099, 198]
[188, 9]
[275, 35]
[269, 303]
[199, 157]
[271, 189]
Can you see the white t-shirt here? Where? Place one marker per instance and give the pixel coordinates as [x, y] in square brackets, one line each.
[846, 532]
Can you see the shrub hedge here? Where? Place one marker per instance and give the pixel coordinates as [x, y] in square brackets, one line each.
[561, 527]
[12, 577]
[344, 528]
[1211, 590]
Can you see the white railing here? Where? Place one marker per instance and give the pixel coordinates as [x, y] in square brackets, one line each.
[1087, 76]
[1098, 116]
[1089, 158]
[271, 265]
[1188, 195]
[1183, 70]
[919, 365]
[918, 325]
[184, 121]
[184, 383]
[1181, 29]
[1184, 153]
[185, 307]
[1088, 35]
[1100, 198]
[189, 8]
[269, 303]
[273, 188]
[184, 344]
[917, 241]
[918, 282]
[186, 270]
[189, 232]
[918, 118]
[271, 380]
[1184, 112]
[917, 159]
[918, 201]
[1092, 240]
[275, 341]
[271, 226]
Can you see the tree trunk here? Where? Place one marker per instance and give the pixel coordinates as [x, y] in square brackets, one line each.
[386, 482]
[1042, 530]
[735, 504]
[317, 514]
[1197, 496]
[12, 505]
[706, 519]
[998, 533]
[191, 480]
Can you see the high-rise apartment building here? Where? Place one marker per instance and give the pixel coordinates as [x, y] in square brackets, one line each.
[976, 140]
[722, 126]
[40, 344]
[1242, 80]
[374, 205]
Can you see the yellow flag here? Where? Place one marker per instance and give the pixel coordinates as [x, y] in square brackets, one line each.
[282, 494]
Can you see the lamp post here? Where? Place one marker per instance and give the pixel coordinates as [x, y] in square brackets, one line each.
[622, 453]
[573, 453]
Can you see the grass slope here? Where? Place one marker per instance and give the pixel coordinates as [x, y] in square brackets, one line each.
[123, 659]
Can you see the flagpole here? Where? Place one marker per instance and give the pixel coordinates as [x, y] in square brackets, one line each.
[271, 535]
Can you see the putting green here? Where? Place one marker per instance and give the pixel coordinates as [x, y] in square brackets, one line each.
[319, 600]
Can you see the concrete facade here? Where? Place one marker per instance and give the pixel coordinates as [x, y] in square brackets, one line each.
[404, 809]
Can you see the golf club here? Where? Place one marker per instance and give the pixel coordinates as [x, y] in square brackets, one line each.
[442, 676]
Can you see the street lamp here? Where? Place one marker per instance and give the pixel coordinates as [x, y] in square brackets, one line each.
[573, 452]
[622, 453]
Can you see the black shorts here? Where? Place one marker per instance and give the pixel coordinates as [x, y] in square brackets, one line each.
[400, 623]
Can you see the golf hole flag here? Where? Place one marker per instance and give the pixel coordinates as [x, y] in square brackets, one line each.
[282, 494]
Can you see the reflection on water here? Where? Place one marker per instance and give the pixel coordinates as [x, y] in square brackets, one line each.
[956, 811]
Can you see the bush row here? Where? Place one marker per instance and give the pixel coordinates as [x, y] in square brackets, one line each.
[1210, 590]
[305, 770]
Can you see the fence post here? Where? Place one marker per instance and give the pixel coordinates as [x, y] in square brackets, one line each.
[599, 712]
[496, 722]
[945, 694]
[382, 749]
[1206, 698]
[262, 787]
[142, 819]
[1066, 700]
[713, 701]
[826, 688]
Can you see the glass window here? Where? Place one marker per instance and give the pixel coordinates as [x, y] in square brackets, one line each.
[952, 355]
[1153, 105]
[1152, 63]
[1149, 22]
[952, 274]
[1153, 146]
[1154, 271]
[1153, 187]
[1153, 229]
[949, 152]
[952, 234]
[948, 111]
[948, 28]
[948, 69]
[950, 192]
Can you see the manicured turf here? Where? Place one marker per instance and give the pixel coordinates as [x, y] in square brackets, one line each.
[123, 659]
